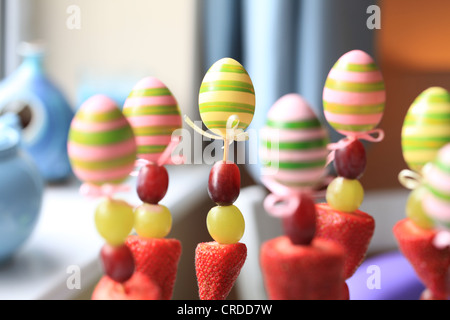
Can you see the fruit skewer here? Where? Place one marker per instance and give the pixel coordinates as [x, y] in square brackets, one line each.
[226, 104]
[297, 265]
[353, 99]
[427, 222]
[102, 151]
[153, 115]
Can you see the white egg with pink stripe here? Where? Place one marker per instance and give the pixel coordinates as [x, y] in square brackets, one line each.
[154, 115]
[354, 95]
[101, 144]
[293, 143]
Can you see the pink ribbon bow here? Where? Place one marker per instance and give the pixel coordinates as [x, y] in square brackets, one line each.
[442, 239]
[166, 158]
[108, 189]
[283, 201]
[104, 190]
[352, 137]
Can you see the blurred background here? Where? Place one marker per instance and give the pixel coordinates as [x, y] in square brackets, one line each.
[286, 46]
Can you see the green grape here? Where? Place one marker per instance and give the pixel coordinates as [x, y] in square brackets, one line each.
[152, 220]
[225, 224]
[114, 220]
[415, 211]
[345, 194]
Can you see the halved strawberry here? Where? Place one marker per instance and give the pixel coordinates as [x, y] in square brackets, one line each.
[158, 259]
[303, 272]
[431, 264]
[138, 287]
[353, 231]
[217, 267]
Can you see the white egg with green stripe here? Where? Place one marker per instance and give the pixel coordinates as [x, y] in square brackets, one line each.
[426, 127]
[226, 90]
[436, 178]
[293, 143]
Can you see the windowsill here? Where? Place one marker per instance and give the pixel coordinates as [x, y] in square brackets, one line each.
[66, 236]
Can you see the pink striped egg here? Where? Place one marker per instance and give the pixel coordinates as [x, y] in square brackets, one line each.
[153, 113]
[101, 144]
[436, 175]
[294, 143]
[354, 95]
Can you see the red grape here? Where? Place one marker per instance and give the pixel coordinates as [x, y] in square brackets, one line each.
[350, 162]
[300, 227]
[118, 262]
[224, 183]
[152, 183]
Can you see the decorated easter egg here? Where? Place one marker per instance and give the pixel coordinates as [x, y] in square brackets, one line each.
[436, 174]
[226, 90]
[426, 127]
[354, 94]
[293, 143]
[101, 144]
[154, 115]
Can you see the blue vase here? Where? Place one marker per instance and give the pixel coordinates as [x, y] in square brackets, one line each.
[21, 190]
[44, 113]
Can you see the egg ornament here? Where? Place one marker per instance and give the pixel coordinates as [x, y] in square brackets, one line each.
[154, 115]
[436, 176]
[101, 144]
[354, 94]
[293, 144]
[226, 90]
[426, 127]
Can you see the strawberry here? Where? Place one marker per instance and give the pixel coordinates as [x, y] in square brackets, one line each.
[346, 292]
[217, 267]
[138, 287]
[158, 259]
[353, 231]
[303, 272]
[431, 264]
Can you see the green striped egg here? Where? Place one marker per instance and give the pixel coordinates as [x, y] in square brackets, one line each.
[436, 176]
[426, 127]
[154, 115]
[226, 90]
[101, 144]
[354, 95]
[294, 143]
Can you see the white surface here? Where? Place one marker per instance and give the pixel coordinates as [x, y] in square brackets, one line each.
[387, 207]
[66, 236]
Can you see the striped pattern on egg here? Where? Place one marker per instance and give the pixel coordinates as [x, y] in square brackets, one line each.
[226, 90]
[426, 127]
[436, 202]
[294, 143]
[101, 144]
[354, 94]
[154, 115]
